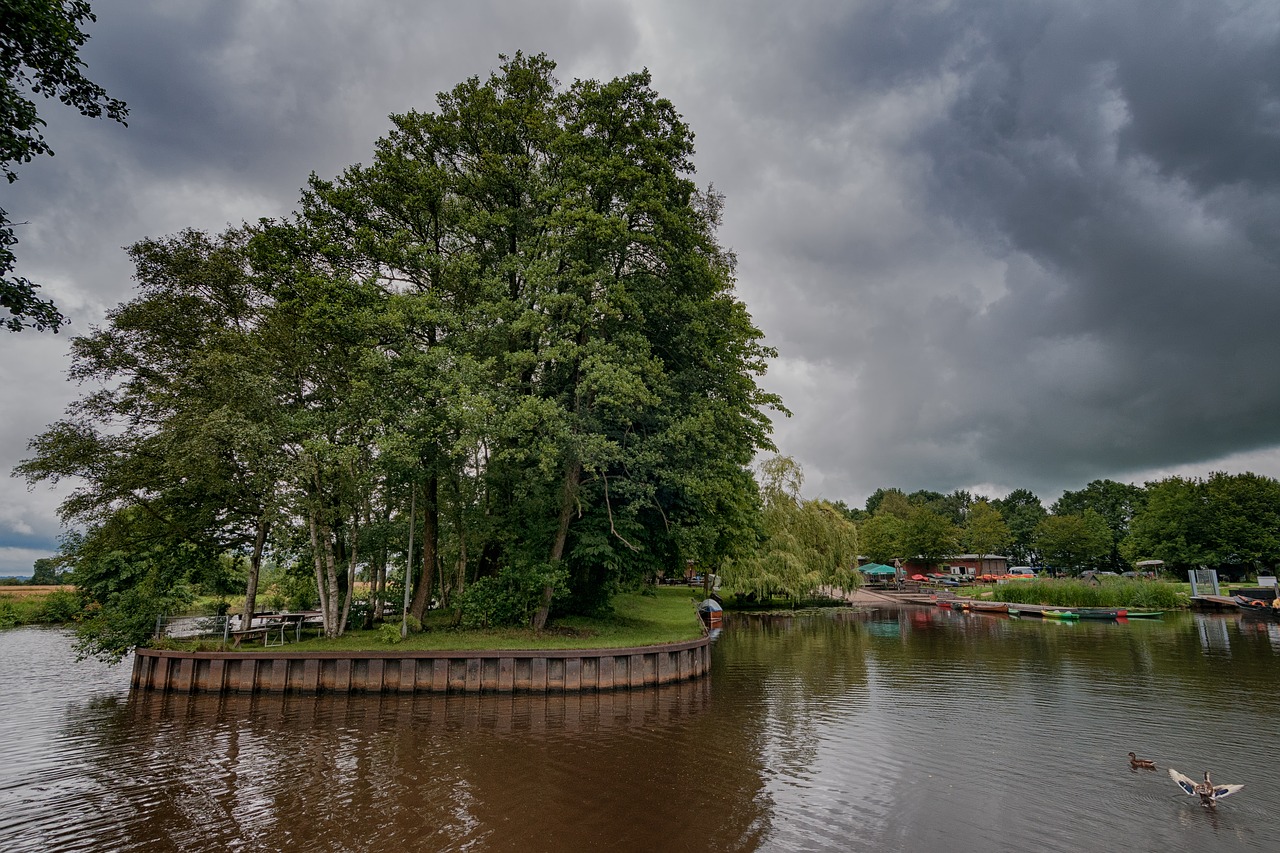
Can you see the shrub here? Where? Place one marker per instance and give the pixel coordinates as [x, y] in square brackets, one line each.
[511, 598]
[61, 605]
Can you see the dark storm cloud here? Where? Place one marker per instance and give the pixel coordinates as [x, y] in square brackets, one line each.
[1064, 268]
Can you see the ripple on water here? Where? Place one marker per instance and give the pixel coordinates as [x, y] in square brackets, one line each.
[894, 732]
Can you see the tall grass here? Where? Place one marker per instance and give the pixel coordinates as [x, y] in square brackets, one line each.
[47, 608]
[1120, 592]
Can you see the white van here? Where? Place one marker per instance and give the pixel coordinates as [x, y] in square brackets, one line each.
[1021, 572]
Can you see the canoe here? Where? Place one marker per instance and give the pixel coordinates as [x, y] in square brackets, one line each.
[1064, 615]
[989, 607]
[1015, 610]
[1144, 614]
[1102, 612]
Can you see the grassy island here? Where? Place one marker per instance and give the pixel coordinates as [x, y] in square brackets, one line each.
[666, 615]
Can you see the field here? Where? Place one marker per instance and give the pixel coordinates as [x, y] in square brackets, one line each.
[29, 591]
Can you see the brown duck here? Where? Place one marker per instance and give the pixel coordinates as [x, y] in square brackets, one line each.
[1141, 763]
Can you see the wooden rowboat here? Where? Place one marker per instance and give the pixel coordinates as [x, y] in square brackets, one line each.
[988, 607]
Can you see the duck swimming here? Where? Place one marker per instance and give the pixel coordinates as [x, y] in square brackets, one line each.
[1141, 763]
[1207, 791]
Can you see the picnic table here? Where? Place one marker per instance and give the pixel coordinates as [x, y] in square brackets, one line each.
[264, 631]
[270, 626]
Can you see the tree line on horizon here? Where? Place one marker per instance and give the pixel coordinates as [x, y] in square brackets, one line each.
[1230, 522]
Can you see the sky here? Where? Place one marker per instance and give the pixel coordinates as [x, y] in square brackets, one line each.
[997, 244]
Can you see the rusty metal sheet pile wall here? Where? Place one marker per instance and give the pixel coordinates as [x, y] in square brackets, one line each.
[554, 671]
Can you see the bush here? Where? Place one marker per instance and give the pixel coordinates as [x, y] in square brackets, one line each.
[510, 599]
[61, 605]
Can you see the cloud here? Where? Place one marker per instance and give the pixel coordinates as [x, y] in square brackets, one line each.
[997, 243]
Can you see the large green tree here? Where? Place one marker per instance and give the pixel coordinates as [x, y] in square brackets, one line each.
[1223, 521]
[516, 326]
[1072, 543]
[1022, 512]
[1117, 503]
[985, 531]
[568, 278]
[40, 43]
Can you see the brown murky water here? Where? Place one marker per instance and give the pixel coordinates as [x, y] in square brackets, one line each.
[916, 730]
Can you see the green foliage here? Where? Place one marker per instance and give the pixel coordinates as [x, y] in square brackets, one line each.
[511, 598]
[1116, 503]
[1022, 512]
[47, 571]
[9, 614]
[1114, 592]
[985, 531]
[389, 632]
[59, 606]
[53, 608]
[1073, 543]
[1228, 519]
[805, 543]
[518, 313]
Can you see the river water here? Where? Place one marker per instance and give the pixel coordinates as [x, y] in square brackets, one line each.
[910, 730]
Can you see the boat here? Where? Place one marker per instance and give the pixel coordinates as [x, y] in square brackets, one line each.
[988, 607]
[1102, 612]
[1024, 610]
[1143, 614]
[1064, 615]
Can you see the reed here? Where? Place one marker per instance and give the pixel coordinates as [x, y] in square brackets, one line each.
[1121, 592]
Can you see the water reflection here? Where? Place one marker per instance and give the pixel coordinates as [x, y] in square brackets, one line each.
[904, 730]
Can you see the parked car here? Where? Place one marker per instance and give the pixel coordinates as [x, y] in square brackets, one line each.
[1021, 572]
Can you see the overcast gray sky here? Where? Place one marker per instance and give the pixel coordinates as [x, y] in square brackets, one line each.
[997, 243]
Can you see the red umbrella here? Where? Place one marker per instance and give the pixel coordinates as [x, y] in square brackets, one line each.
[917, 577]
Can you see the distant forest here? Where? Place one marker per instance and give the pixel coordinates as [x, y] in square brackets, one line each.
[1230, 522]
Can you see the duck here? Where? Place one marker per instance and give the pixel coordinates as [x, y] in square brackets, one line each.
[1208, 792]
[1141, 763]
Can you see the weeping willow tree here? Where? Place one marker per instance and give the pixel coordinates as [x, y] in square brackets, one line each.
[805, 544]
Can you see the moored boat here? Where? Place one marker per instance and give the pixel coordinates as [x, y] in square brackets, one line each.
[1143, 614]
[989, 607]
[1102, 612]
[1064, 615]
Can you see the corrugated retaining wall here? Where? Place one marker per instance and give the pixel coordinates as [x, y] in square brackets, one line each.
[550, 670]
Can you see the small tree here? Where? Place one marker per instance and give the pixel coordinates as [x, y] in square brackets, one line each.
[985, 531]
[1074, 542]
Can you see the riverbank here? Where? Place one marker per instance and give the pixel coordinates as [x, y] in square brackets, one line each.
[37, 605]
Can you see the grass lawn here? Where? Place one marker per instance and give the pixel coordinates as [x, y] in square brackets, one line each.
[670, 616]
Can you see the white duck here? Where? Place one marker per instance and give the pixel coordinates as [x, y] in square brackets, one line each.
[1207, 791]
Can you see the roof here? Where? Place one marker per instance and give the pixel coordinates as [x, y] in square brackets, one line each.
[877, 569]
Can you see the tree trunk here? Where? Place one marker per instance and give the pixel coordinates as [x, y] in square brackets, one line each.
[572, 475]
[317, 552]
[255, 567]
[351, 578]
[430, 544]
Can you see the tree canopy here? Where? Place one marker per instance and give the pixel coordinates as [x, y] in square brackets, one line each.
[517, 319]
